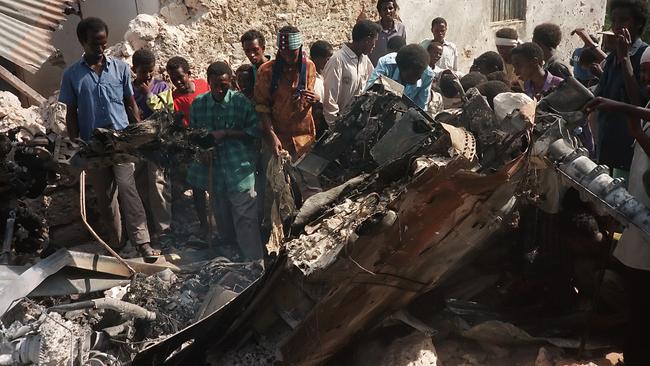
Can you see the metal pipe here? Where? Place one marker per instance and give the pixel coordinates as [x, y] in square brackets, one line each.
[119, 306]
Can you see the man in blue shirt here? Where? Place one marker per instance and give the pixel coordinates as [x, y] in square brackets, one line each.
[98, 94]
[409, 67]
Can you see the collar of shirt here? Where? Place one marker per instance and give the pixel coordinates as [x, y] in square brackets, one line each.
[634, 48]
[392, 30]
[107, 61]
[347, 51]
[226, 100]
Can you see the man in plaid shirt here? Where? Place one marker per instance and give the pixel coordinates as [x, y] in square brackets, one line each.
[231, 119]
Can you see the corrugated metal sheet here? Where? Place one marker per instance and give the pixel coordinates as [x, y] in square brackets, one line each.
[26, 28]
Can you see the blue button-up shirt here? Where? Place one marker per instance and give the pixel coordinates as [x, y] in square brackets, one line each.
[99, 99]
[418, 92]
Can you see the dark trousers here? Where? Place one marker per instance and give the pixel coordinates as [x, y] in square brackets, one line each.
[637, 342]
[237, 221]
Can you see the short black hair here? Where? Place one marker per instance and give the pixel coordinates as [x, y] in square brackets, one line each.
[588, 56]
[320, 49]
[253, 34]
[638, 8]
[491, 89]
[364, 29]
[473, 79]
[91, 24]
[412, 56]
[143, 57]
[396, 43]
[176, 62]
[498, 76]
[289, 29]
[529, 50]
[438, 20]
[489, 61]
[218, 68]
[507, 33]
[434, 43]
[547, 34]
[447, 88]
[382, 2]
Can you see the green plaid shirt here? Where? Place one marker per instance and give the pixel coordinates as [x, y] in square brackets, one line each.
[234, 158]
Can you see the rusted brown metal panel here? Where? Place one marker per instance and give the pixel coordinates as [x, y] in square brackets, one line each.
[442, 216]
[27, 27]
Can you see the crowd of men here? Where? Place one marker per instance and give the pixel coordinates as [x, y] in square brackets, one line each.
[277, 105]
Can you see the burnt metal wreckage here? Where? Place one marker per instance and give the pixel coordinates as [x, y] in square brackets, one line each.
[407, 197]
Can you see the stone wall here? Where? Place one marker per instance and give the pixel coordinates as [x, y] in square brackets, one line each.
[209, 30]
[470, 25]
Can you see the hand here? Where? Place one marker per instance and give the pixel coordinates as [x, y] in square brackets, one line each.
[584, 36]
[362, 14]
[143, 87]
[623, 43]
[604, 104]
[276, 145]
[310, 97]
[634, 127]
[218, 135]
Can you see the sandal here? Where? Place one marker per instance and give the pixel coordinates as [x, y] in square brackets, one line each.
[148, 252]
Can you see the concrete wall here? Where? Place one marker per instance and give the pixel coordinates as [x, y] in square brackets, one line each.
[470, 25]
[116, 13]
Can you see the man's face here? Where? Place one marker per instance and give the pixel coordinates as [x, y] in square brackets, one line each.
[244, 79]
[320, 62]
[95, 43]
[504, 51]
[180, 78]
[219, 86]
[439, 32]
[645, 75]
[144, 73]
[254, 51]
[623, 18]
[410, 76]
[524, 68]
[435, 54]
[290, 57]
[368, 45]
[387, 10]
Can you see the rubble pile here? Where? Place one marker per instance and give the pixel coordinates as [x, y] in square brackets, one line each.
[49, 117]
[201, 30]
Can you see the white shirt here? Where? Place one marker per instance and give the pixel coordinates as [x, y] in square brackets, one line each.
[319, 86]
[449, 59]
[345, 76]
[633, 249]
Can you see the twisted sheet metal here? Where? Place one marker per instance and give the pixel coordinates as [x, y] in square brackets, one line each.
[26, 29]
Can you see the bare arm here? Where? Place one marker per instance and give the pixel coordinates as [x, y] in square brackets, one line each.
[132, 109]
[582, 33]
[623, 43]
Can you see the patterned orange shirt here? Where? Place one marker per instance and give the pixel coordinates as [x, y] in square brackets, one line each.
[291, 116]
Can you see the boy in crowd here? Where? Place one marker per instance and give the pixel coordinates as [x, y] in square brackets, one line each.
[548, 36]
[320, 52]
[245, 80]
[528, 60]
[395, 44]
[348, 71]
[633, 249]
[230, 117]
[254, 46]
[620, 82]
[506, 40]
[390, 27]
[98, 93]
[449, 59]
[488, 63]
[187, 89]
[583, 74]
[409, 67]
[151, 95]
